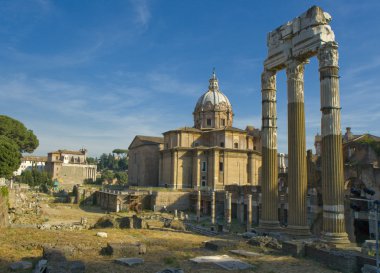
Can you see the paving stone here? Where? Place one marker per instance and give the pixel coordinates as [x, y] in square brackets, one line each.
[171, 270]
[20, 265]
[102, 234]
[245, 253]
[129, 261]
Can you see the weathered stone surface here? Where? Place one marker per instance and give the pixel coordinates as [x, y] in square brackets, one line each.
[102, 234]
[219, 244]
[368, 269]
[106, 222]
[40, 266]
[77, 267]
[369, 247]
[265, 241]
[171, 270]
[223, 261]
[129, 261]
[294, 248]
[120, 249]
[20, 265]
[244, 253]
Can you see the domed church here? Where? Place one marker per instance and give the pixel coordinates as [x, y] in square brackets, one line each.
[210, 155]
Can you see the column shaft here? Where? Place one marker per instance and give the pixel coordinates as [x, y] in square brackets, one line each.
[269, 216]
[198, 207]
[334, 230]
[213, 207]
[249, 212]
[297, 174]
[227, 207]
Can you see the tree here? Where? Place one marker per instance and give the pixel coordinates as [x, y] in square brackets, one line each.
[108, 176]
[10, 157]
[122, 178]
[36, 178]
[15, 130]
[123, 152]
[123, 164]
[91, 160]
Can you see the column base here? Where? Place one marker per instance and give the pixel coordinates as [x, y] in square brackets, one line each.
[335, 238]
[298, 232]
[269, 226]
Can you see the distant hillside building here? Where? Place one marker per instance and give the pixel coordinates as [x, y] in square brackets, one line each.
[70, 167]
[210, 155]
[29, 162]
[144, 160]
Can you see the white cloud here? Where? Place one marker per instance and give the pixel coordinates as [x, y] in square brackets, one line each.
[142, 12]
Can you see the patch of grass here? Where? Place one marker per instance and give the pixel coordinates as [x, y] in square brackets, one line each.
[4, 191]
[171, 261]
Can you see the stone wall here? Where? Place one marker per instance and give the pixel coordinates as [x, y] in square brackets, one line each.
[144, 165]
[71, 174]
[4, 219]
[171, 200]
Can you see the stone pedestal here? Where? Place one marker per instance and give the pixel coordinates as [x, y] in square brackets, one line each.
[334, 230]
[297, 173]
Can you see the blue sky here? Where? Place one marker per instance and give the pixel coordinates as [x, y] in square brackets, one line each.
[96, 73]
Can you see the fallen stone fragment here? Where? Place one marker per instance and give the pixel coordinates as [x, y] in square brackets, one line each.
[77, 267]
[244, 253]
[20, 265]
[129, 261]
[219, 244]
[223, 261]
[171, 270]
[121, 249]
[102, 234]
[40, 266]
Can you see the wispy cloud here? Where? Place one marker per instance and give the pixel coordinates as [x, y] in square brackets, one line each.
[142, 12]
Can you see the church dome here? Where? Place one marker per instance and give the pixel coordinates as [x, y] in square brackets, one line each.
[213, 108]
[213, 99]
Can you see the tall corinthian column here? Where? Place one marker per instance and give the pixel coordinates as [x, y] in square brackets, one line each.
[269, 216]
[297, 174]
[332, 157]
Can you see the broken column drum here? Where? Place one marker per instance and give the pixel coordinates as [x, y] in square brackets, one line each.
[290, 46]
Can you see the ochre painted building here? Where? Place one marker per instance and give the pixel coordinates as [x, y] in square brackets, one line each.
[70, 167]
[209, 155]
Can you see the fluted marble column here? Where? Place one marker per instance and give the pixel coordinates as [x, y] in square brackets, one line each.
[269, 216]
[213, 207]
[297, 173]
[334, 230]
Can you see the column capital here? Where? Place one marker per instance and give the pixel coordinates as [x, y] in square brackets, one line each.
[328, 55]
[295, 69]
[268, 80]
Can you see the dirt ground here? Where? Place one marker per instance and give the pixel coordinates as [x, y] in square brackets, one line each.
[165, 249]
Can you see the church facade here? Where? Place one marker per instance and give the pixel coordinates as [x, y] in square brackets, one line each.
[207, 156]
[212, 153]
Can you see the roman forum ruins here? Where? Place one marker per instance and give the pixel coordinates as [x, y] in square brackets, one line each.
[289, 47]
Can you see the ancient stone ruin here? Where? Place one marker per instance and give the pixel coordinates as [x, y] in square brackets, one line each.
[289, 47]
